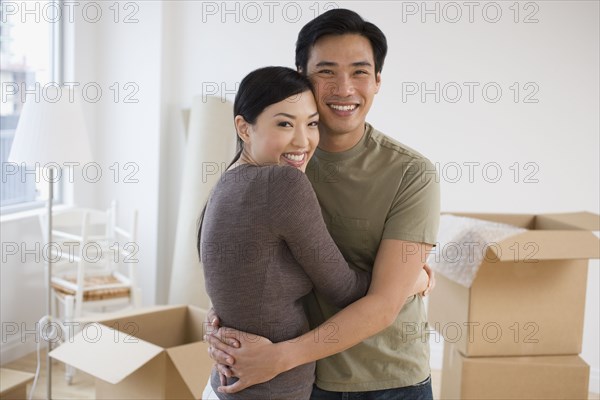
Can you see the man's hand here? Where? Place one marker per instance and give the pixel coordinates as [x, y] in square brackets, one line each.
[212, 324]
[255, 361]
[212, 319]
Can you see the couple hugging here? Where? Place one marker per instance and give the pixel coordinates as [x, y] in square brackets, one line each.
[333, 227]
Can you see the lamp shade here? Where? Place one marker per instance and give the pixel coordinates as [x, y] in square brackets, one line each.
[51, 132]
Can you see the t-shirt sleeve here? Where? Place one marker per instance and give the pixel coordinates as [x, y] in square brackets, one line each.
[295, 216]
[415, 213]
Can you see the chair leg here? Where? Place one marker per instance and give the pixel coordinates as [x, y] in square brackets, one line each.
[55, 305]
[136, 300]
[69, 311]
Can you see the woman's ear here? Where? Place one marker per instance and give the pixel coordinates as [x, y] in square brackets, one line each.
[242, 127]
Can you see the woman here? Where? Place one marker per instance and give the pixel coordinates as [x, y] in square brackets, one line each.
[262, 239]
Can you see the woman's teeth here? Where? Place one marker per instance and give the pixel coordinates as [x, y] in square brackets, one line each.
[294, 157]
[343, 108]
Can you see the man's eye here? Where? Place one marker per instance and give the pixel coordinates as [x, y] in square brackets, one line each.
[362, 72]
[326, 71]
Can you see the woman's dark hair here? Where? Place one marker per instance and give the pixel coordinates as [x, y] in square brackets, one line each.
[258, 90]
[339, 21]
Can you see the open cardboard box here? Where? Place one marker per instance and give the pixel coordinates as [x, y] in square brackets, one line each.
[528, 296]
[539, 377]
[13, 384]
[154, 353]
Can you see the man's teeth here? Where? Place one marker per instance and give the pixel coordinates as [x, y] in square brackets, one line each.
[343, 108]
[294, 157]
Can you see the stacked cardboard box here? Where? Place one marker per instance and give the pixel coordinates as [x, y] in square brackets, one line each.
[516, 332]
[154, 353]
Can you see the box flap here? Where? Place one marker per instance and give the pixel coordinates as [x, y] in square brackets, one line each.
[546, 245]
[165, 328]
[520, 220]
[196, 324]
[11, 379]
[107, 317]
[193, 364]
[105, 353]
[572, 361]
[586, 221]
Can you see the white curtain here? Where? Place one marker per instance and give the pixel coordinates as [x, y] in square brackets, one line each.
[210, 146]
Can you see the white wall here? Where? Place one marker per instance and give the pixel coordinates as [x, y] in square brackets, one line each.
[555, 141]
[126, 127]
[121, 132]
[180, 47]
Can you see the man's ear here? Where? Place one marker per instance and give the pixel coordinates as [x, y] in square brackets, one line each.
[378, 81]
[242, 127]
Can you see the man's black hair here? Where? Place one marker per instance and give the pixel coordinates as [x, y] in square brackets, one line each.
[339, 21]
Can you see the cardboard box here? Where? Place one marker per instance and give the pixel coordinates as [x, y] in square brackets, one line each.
[13, 384]
[528, 296]
[150, 354]
[539, 377]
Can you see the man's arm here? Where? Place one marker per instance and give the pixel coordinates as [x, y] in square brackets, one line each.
[397, 268]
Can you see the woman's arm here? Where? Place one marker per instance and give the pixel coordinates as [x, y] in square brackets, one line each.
[295, 216]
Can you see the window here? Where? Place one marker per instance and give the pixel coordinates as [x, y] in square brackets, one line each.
[30, 43]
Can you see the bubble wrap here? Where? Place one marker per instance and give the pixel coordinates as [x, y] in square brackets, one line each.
[462, 243]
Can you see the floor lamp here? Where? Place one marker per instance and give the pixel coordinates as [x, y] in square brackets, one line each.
[51, 134]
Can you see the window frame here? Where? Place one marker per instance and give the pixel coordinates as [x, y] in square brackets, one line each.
[57, 63]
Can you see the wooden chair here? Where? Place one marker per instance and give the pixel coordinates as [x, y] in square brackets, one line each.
[94, 263]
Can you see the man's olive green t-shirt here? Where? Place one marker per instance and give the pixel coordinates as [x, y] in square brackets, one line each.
[379, 189]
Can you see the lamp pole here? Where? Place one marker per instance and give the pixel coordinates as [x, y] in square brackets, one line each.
[49, 279]
[51, 133]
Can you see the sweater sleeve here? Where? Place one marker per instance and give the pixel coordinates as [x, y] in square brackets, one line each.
[295, 216]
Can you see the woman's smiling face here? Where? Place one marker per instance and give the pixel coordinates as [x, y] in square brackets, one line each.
[285, 133]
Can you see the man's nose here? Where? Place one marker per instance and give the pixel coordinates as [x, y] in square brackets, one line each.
[344, 86]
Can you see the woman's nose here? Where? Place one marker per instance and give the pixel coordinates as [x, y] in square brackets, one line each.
[300, 139]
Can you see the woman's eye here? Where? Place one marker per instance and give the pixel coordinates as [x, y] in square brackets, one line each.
[284, 124]
[314, 123]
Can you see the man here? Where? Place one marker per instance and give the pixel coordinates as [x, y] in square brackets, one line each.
[380, 201]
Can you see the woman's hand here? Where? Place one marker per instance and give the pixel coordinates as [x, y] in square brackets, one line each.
[426, 281]
[255, 361]
[431, 281]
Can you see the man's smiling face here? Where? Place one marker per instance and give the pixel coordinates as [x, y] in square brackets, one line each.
[342, 70]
